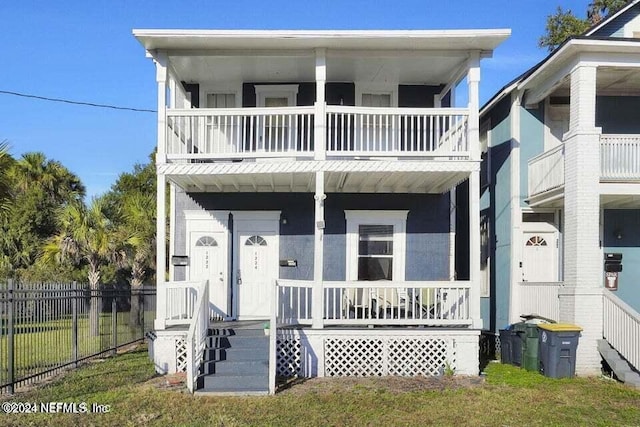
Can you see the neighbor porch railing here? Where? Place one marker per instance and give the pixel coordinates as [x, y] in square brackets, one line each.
[216, 133]
[546, 171]
[197, 334]
[620, 157]
[621, 327]
[376, 303]
[539, 298]
[365, 131]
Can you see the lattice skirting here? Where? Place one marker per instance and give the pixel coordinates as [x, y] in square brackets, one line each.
[388, 356]
[181, 355]
[310, 354]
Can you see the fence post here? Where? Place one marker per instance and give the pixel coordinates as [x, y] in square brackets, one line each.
[140, 297]
[10, 344]
[114, 325]
[74, 328]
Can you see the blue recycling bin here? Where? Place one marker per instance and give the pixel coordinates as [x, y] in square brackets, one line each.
[557, 347]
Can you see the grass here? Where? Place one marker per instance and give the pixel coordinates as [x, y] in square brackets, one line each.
[43, 345]
[510, 396]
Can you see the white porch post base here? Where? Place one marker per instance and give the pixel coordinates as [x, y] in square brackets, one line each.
[163, 351]
[583, 307]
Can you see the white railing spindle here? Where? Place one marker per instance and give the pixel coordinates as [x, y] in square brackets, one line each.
[621, 327]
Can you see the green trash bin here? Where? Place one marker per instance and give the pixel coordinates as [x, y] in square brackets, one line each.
[558, 345]
[530, 359]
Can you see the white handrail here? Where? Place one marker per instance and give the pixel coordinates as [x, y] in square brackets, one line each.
[620, 157]
[540, 298]
[179, 302]
[546, 171]
[197, 335]
[621, 327]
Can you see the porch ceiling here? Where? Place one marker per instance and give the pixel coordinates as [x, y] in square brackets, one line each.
[432, 68]
[339, 178]
[609, 80]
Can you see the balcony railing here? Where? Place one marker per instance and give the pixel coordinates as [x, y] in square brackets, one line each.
[546, 171]
[199, 134]
[620, 157]
[239, 133]
[360, 131]
[540, 298]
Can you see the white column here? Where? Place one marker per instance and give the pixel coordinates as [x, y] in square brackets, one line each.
[160, 59]
[515, 276]
[318, 253]
[161, 218]
[473, 139]
[581, 297]
[320, 127]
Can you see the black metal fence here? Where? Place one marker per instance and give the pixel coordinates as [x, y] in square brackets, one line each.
[45, 328]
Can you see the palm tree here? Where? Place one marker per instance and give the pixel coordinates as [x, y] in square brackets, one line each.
[50, 175]
[86, 236]
[5, 182]
[138, 230]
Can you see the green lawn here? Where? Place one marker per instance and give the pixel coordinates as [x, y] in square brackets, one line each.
[39, 346]
[509, 396]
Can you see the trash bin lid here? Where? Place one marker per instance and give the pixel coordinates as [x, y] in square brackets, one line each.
[560, 327]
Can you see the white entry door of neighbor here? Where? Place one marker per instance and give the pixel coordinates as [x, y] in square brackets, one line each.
[256, 262]
[207, 261]
[539, 257]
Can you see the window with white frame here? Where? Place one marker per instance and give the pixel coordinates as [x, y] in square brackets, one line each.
[376, 242]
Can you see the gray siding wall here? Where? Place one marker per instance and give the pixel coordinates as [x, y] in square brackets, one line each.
[427, 256]
[618, 114]
[615, 28]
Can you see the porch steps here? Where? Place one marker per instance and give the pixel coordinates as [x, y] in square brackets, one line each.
[624, 372]
[236, 362]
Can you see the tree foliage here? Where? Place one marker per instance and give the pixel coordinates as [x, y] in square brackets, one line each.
[564, 23]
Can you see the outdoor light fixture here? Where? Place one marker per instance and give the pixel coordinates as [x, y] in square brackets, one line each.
[617, 233]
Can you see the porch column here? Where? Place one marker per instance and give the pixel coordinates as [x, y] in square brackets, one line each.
[320, 119]
[473, 139]
[160, 59]
[581, 297]
[318, 254]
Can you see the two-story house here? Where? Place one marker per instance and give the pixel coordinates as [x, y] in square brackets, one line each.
[325, 182]
[561, 191]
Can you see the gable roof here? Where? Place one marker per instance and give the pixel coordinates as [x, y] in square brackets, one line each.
[589, 34]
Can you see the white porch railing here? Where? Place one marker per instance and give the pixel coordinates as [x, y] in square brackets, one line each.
[216, 133]
[179, 302]
[376, 303]
[197, 335]
[366, 131]
[540, 298]
[621, 327]
[620, 157]
[546, 171]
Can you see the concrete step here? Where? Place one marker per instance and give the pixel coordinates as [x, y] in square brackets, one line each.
[620, 367]
[258, 332]
[236, 383]
[228, 367]
[237, 341]
[237, 354]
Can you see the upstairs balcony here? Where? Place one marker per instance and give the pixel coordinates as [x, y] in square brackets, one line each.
[619, 162]
[207, 134]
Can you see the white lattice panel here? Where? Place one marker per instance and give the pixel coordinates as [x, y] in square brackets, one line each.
[289, 357]
[181, 355]
[410, 356]
[388, 356]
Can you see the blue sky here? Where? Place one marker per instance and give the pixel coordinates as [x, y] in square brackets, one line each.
[84, 50]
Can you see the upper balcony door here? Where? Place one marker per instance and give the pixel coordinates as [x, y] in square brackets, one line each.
[276, 133]
[220, 129]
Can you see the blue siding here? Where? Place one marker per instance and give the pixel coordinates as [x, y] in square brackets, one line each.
[499, 215]
[427, 228]
[627, 222]
[531, 144]
[615, 28]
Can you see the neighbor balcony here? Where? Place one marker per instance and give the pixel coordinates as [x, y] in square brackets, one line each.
[619, 162]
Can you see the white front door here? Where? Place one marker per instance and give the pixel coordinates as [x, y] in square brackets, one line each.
[256, 260]
[539, 257]
[207, 261]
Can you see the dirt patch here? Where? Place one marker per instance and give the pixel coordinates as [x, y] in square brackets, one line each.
[389, 384]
